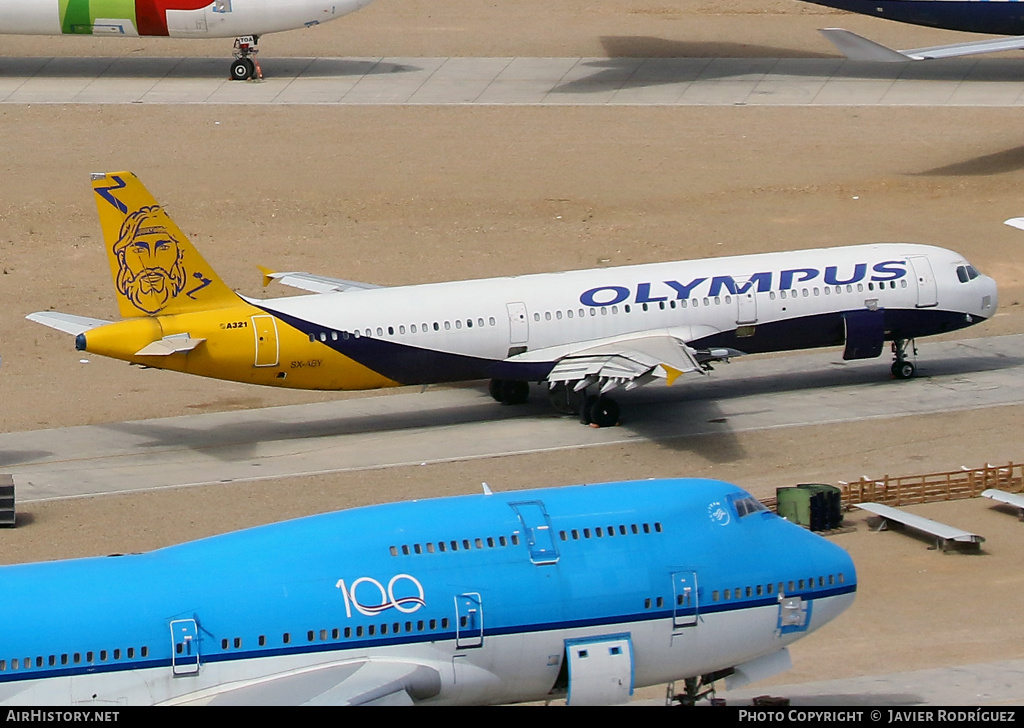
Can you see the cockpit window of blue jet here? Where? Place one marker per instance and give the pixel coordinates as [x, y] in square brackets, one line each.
[584, 592]
[581, 334]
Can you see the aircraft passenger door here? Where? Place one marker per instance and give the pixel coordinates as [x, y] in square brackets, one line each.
[469, 620]
[518, 323]
[184, 647]
[537, 531]
[267, 348]
[927, 293]
[746, 307]
[601, 670]
[685, 607]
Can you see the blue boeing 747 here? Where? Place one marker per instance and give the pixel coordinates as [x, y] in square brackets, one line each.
[585, 592]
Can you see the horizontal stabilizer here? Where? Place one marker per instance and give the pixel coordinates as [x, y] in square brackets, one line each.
[170, 345]
[859, 48]
[66, 322]
[314, 283]
[1016, 222]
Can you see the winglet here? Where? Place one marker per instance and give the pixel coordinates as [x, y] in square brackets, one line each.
[671, 374]
[268, 275]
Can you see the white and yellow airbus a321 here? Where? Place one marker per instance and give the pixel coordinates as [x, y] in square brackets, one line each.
[581, 333]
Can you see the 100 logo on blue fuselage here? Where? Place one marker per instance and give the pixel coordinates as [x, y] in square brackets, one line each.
[377, 598]
[651, 292]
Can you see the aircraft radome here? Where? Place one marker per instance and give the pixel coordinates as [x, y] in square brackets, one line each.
[971, 16]
[582, 333]
[584, 592]
[244, 20]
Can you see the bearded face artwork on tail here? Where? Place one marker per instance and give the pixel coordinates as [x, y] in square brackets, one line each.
[149, 257]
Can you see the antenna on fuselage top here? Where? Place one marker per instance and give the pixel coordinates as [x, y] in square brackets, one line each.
[487, 489]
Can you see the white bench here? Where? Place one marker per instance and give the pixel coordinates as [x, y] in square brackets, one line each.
[944, 534]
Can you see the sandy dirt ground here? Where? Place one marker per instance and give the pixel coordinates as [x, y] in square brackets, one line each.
[402, 195]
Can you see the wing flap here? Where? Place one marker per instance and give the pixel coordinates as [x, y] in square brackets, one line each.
[630, 362]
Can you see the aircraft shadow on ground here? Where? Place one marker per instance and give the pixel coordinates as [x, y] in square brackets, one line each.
[1008, 160]
[647, 46]
[239, 441]
[10, 458]
[834, 374]
[651, 413]
[158, 69]
[673, 62]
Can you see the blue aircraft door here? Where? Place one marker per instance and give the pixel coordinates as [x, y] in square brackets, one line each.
[469, 620]
[927, 294]
[184, 647]
[537, 531]
[685, 606]
[518, 323]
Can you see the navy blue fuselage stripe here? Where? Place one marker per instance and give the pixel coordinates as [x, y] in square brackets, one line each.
[414, 365]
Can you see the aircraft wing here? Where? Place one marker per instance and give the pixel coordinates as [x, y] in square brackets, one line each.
[314, 283]
[363, 682]
[631, 362]
[66, 322]
[858, 48]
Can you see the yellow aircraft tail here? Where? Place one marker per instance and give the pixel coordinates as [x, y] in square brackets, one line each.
[156, 270]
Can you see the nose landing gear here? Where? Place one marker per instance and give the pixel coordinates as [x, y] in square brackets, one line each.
[245, 66]
[902, 367]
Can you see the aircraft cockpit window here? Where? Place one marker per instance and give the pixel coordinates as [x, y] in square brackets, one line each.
[747, 504]
[966, 273]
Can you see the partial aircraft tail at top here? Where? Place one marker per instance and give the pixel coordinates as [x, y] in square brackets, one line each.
[155, 267]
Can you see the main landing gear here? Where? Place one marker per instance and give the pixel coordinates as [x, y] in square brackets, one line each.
[902, 367]
[245, 66]
[593, 410]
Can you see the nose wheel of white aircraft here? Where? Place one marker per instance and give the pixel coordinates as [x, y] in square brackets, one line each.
[245, 67]
[902, 367]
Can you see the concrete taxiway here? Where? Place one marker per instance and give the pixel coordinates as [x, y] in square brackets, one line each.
[445, 424]
[532, 81]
